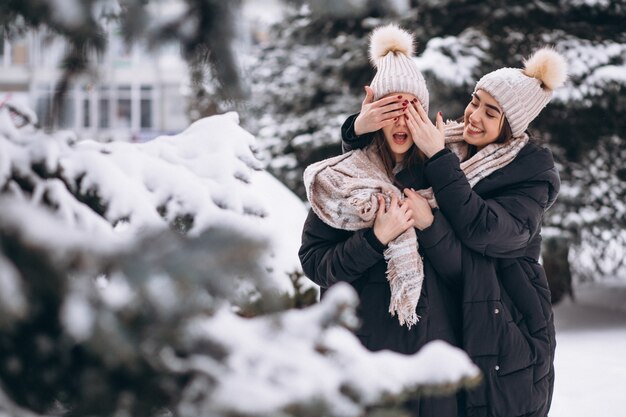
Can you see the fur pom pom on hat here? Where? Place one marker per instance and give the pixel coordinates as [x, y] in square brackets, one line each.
[523, 93]
[390, 52]
[390, 38]
[548, 66]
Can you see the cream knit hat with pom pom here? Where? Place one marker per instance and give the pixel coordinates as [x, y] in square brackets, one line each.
[390, 51]
[523, 93]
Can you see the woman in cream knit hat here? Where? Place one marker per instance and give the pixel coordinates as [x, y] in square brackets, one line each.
[482, 230]
[359, 232]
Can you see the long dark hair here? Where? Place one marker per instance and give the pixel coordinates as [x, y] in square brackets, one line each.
[411, 159]
[506, 133]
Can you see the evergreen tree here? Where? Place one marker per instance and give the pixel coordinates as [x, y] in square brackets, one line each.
[297, 116]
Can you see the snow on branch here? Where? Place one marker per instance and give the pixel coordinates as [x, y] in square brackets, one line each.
[304, 363]
[207, 175]
[108, 309]
[154, 325]
[455, 59]
[596, 67]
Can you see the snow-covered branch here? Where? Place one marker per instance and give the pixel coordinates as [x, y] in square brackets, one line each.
[107, 308]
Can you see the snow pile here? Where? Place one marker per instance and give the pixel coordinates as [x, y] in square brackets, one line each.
[302, 358]
[132, 315]
[202, 177]
[162, 326]
[594, 326]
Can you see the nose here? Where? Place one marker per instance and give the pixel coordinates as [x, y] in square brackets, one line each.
[401, 121]
[474, 117]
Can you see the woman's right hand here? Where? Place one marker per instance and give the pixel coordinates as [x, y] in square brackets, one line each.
[422, 212]
[393, 221]
[377, 114]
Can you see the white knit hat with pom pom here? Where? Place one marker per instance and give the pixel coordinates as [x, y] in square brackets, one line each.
[523, 93]
[391, 49]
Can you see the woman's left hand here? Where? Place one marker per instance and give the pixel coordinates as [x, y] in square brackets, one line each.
[427, 137]
[420, 209]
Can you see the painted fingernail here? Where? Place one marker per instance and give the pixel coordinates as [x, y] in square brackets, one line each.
[395, 118]
[399, 96]
[439, 113]
[414, 100]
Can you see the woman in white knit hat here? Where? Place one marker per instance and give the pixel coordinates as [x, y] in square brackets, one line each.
[359, 232]
[490, 186]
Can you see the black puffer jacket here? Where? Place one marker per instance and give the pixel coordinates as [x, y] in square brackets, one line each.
[330, 255]
[487, 240]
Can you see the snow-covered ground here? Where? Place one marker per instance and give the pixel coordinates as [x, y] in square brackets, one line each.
[591, 353]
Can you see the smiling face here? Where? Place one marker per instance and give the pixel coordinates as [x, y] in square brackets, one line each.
[483, 120]
[397, 134]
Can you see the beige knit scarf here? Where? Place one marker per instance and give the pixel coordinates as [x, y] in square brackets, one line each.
[343, 193]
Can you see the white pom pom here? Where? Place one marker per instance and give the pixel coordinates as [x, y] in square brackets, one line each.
[390, 38]
[548, 66]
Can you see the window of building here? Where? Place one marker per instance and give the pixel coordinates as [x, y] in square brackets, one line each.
[146, 107]
[104, 107]
[86, 104]
[46, 113]
[67, 112]
[86, 112]
[1, 48]
[19, 52]
[43, 106]
[124, 105]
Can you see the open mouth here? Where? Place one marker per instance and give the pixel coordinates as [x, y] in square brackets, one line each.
[400, 138]
[473, 131]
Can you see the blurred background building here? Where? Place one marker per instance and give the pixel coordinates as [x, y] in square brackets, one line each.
[132, 94]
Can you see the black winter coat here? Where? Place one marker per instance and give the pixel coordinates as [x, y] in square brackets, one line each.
[330, 255]
[486, 241]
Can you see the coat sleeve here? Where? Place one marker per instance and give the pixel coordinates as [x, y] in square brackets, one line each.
[330, 255]
[349, 140]
[443, 249]
[498, 226]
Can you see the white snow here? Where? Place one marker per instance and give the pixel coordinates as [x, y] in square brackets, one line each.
[208, 172]
[77, 317]
[453, 59]
[43, 226]
[12, 298]
[590, 3]
[301, 357]
[115, 292]
[267, 12]
[591, 67]
[591, 343]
